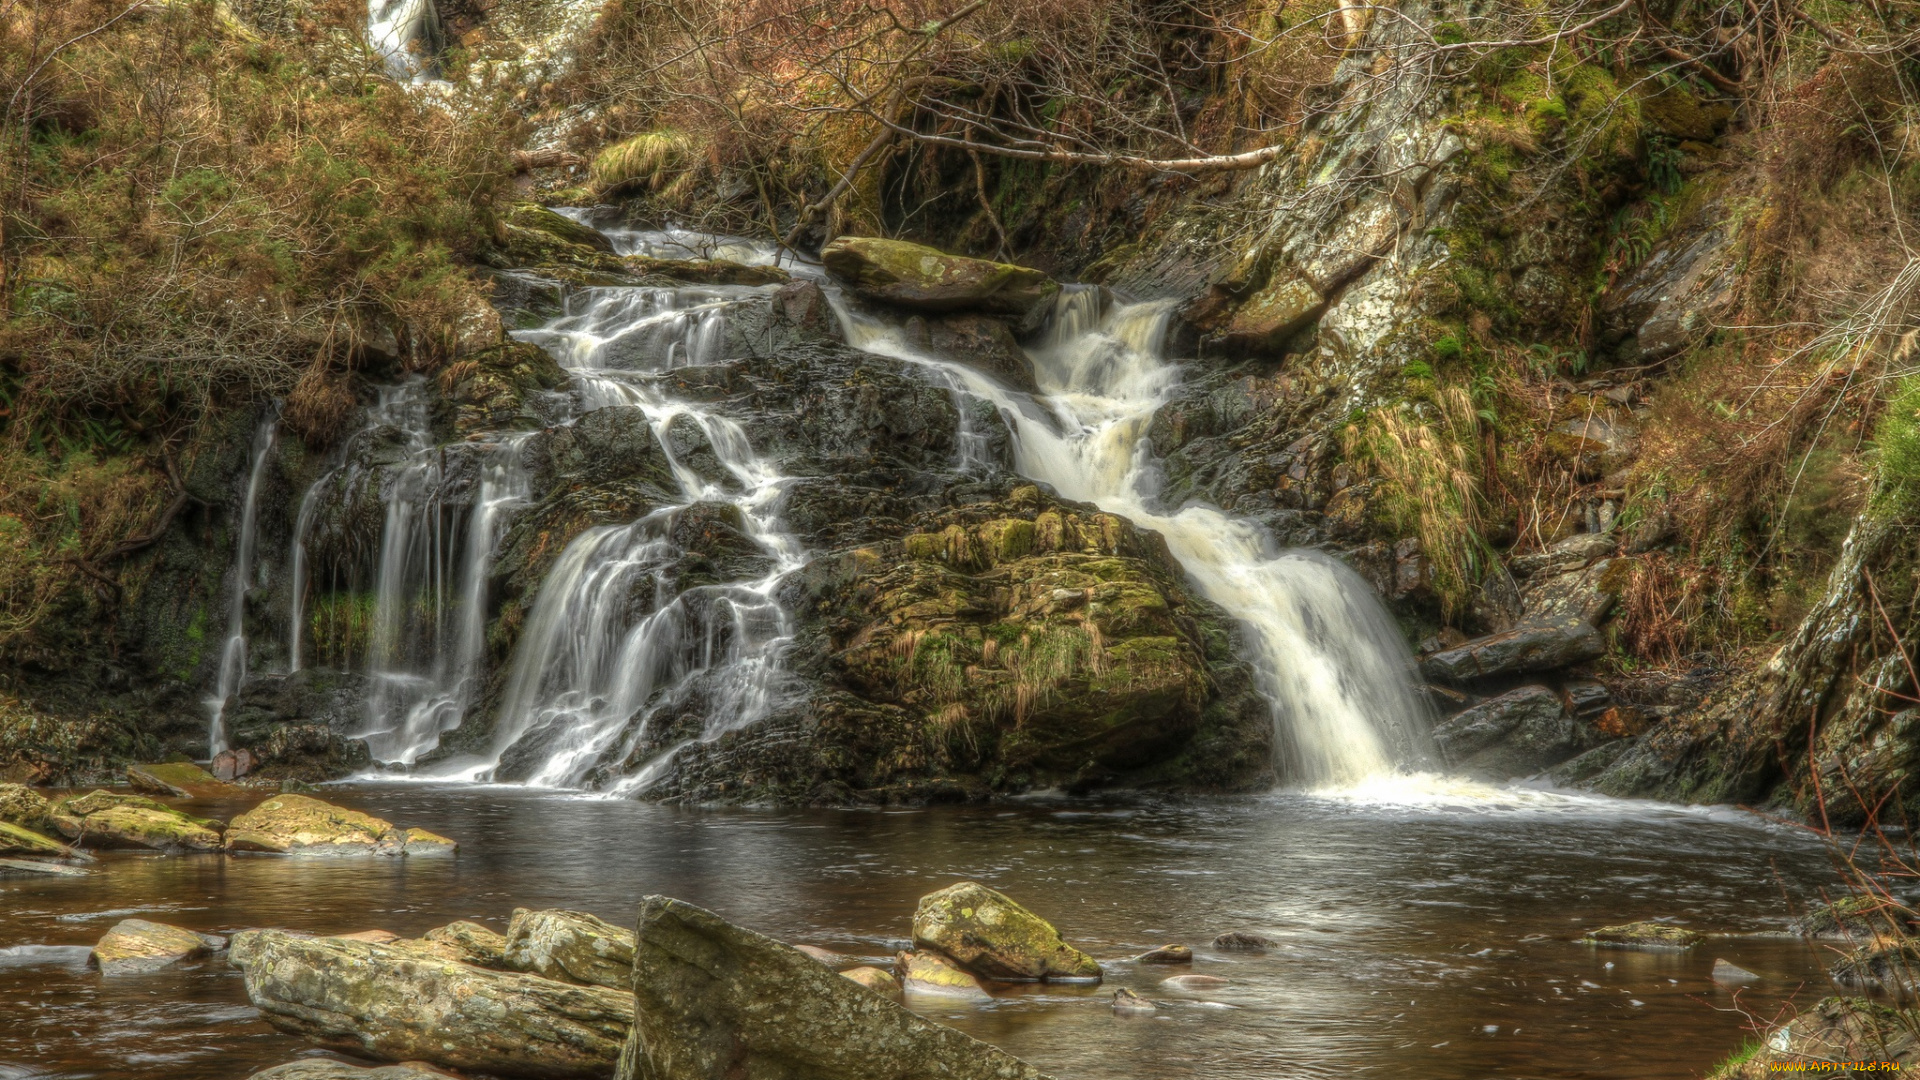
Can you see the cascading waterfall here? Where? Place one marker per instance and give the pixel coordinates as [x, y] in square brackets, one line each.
[392, 28]
[1332, 663]
[233, 653]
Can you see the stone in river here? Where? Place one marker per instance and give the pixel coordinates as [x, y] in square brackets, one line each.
[301, 825]
[873, 978]
[825, 956]
[230, 765]
[571, 946]
[177, 780]
[989, 935]
[329, 1069]
[924, 279]
[27, 867]
[1856, 918]
[1194, 982]
[714, 1000]
[21, 805]
[1729, 975]
[930, 973]
[1241, 941]
[1889, 965]
[422, 842]
[479, 944]
[136, 946]
[1649, 936]
[395, 1003]
[15, 840]
[107, 819]
[1128, 1003]
[1167, 954]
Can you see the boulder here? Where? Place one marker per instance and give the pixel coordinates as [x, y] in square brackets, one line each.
[570, 946]
[715, 1000]
[23, 806]
[980, 342]
[932, 974]
[1673, 297]
[1519, 733]
[1128, 1003]
[1648, 936]
[301, 825]
[232, 764]
[1856, 918]
[136, 946]
[1534, 645]
[1887, 965]
[479, 944]
[178, 780]
[1242, 941]
[105, 819]
[394, 1003]
[1167, 954]
[15, 840]
[876, 979]
[706, 271]
[1587, 594]
[923, 279]
[1287, 305]
[329, 1069]
[989, 935]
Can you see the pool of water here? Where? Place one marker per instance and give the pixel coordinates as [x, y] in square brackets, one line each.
[1421, 931]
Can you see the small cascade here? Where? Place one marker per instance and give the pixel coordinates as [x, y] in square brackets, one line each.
[393, 26]
[1328, 657]
[233, 653]
[613, 639]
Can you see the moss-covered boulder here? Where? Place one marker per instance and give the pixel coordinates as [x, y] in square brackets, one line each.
[570, 946]
[301, 825]
[929, 973]
[16, 840]
[106, 819]
[177, 780]
[1650, 936]
[136, 946]
[23, 806]
[988, 934]
[923, 279]
[1856, 918]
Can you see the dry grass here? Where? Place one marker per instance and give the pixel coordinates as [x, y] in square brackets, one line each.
[1429, 470]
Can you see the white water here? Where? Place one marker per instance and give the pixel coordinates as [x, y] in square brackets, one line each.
[1329, 659]
[233, 653]
[392, 28]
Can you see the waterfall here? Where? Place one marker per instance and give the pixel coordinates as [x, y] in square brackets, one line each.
[1328, 658]
[612, 639]
[392, 28]
[233, 653]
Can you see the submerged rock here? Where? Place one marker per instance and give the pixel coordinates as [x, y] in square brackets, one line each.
[930, 973]
[328, 1069]
[479, 944]
[1728, 974]
[873, 978]
[136, 946]
[988, 934]
[715, 1000]
[1242, 941]
[1128, 1003]
[301, 825]
[1167, 954]
[40, 867]
[570, 946]
[399, 1004]
[1195, 982]
[1651, 936]
[105, 819]
[923, 279]
[177, 780]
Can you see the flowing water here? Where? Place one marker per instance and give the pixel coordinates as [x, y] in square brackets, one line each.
[1429, 940]
[233, 652]
[393, 29]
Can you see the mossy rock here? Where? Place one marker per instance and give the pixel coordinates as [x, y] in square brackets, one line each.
[299, 824]
[1651, 936]
[108, 819]
[17, 840]
[1855, 918]
[23, 806]
[923, 279]
[991, 936]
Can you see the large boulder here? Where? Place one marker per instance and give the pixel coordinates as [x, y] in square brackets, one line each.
[105, 819]
[923, 279]
[1518, 733]
[300, 825]
[21, 805]
[398, 1003]
[136, 946]
[988, 934]
[715, 1000]
[570, 946]
[1535, 645]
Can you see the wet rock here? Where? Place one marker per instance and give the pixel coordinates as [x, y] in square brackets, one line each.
[825, 956]
[923, 279]
[1242, 941]
[803, 306]
[39, 868]
[980, 342]
[706, 271]
[571, 946]
[1167, 954]
[477, 943]
[604, 446]
[1856, 918]
[930, 973]
[105, 819]
[229, 765]
[1571, 553]
[1727, 974]
[1670, 300]
[136, 946]
[1128, 1003]
[1530, 647]
[1287, 305]
[301, 825]
[1649, 936]
[1195, 982]
[377, 937]
[873, 978]
[1518, 733]
[398, 1004]
[328, 1069]
[714, 1000]
[1886, 965]
[177, 780]
[988, 934]
[15, 840]
[21, 805]
[1822, 1039]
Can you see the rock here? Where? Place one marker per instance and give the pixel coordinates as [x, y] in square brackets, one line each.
[1195, 982]
[1287, 305]
[1167, 954]
[1727, 974]
[479, 944]
[1128, 1003]
[923, 279]
[873, 978]
[989, 935]
[1531, 646]
[39, 867]
[570, 946]
[104, 819]
[707, 271]
[328, 1069]
[1887, 965]
[714, 1000]
[930, 973]
[396, 1004]
[21, 805]
[136, 946]
[1822, 1039]
[1671, 299]
[301, 825]
[1519, 733]
[1241, 941]
[15, 840]
[1649, 936]
[231, 765]
[177, 780]
[377, 937]
[825, 956]
[1856, 918]
[980, 342]
[1571, 553]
